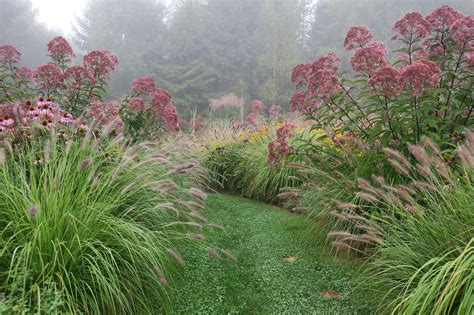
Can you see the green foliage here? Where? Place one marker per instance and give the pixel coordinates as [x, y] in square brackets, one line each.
[242, 168]
[85, 226]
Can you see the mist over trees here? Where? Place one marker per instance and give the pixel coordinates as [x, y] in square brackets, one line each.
[20, 29]
[203, 49]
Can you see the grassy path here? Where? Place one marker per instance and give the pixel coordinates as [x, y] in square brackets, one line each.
[275, 272]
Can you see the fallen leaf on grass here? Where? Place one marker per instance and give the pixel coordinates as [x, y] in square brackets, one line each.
[291, 258]
[330, 294]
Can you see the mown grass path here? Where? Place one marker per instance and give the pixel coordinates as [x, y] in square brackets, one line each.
[275, 274]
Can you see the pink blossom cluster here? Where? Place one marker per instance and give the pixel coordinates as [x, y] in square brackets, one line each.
[16, 119]
[144, 86]
[385, 81]
[252, 119]
[23, 74]
[419, 75]
[279, 149]
[462, 31]
[412, 27]
[230, 100]
[9, 54]
[107, 113]
[59, 49]
[357, 37]
[100, 63]
[48, 77]
[164, 109]
[369, 58]
[257, 106]
[442, 17]
[137, 104]
[274, 111]
[74, 77]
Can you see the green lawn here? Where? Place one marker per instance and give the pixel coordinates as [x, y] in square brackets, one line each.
[262, 281]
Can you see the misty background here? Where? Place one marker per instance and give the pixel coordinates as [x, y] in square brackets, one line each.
[203, 49]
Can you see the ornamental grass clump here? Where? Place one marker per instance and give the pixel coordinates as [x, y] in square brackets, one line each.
[89, 224]
[419, 235]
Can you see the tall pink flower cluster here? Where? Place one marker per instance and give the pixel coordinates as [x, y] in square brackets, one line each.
[419, 75]
[369, 58]
[274, 111]
[164, 109]
[412, 26]
[75, 77]
[462, 31]
[385, 81]
[230, 100]
[442, 17]
[279, 149]
[137, 104]
[23, 74]
[107, 113]
[357, 37]
[323, 80]
[48, 77]
[100, 63]
[252, 119]
[144, 85]
[300, 74]
[257, 106]
[59, 49]
[9, 54]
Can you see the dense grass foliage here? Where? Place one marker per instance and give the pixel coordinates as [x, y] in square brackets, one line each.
[86, 226]
[241, 168]
[275, 272]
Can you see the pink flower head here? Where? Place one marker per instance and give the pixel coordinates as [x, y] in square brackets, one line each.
[323, 84]
[170, 117]
[67, 119]
[100, 63]
[420, 74]
[328, 62]
[274, 111]
[257, 106]
[385, 81]
[300, 74]
[297, 101]
[23, 74]
[59, 49]
[107, 111]
[462, 31]
[323, 80]
[75, 76]
[159, 99]
[442, 17]
[143, 86]
[357, 36]
[367, 59]
[8, 54]
[230, 100]
[252, 119]
[412, 26]
[280, 149]
[137, 104]
[48, 77]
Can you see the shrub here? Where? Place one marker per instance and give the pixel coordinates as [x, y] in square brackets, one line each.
[427, 91]
[89, 225]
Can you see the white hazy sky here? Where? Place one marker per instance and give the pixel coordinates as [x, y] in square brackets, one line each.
[59, 14]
